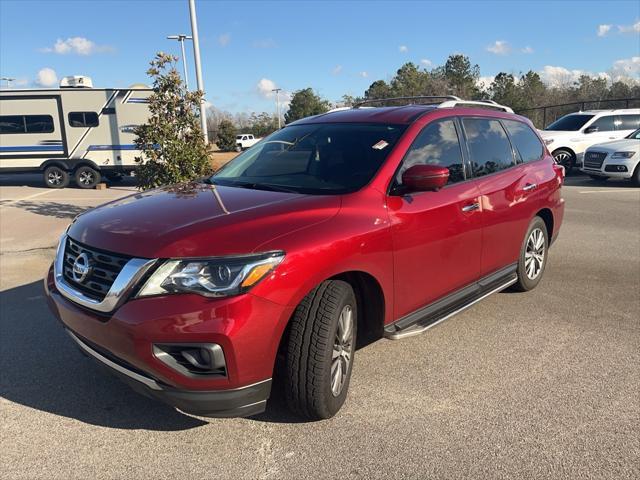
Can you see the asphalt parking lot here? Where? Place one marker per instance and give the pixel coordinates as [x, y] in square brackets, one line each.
[538, 385]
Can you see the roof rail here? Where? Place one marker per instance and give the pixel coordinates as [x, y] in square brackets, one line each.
[420, 97]
[476, 103]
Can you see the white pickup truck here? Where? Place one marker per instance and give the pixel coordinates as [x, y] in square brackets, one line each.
[245, 140]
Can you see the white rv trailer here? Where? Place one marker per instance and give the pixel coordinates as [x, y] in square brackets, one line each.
[75, 131]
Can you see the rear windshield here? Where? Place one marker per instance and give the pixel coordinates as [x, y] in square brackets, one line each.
[328, 158]
[570, 123]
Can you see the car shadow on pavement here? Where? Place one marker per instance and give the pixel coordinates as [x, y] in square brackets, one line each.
[42, 369]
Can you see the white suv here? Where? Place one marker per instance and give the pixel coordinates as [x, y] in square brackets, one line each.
[616, 159]
[568, 137]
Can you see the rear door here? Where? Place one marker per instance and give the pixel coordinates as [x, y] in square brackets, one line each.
[508, 188]
[626, 124]
[436, 235]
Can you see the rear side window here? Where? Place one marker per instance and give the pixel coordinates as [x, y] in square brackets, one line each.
[26, 124]
[604, 124]
[83, 119]
[436, 144]
[488, 145]
[526, 142]
[627, 122]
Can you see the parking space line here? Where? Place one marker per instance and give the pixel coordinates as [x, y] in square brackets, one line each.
[626, 190]
[28, 197]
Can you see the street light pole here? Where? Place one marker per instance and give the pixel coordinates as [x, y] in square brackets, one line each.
[8, 80]
[277, 90]
[196, 55]
[181, 38]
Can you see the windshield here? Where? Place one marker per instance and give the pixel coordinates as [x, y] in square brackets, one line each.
[570, 123]
[634, 135]
[327, 158]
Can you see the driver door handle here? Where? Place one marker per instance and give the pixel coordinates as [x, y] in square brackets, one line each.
[530, 186]
[471, 207]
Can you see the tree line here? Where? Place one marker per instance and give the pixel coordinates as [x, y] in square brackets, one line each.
[458, 76]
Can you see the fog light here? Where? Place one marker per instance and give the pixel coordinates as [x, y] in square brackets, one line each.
[615, 168]
[192, 359]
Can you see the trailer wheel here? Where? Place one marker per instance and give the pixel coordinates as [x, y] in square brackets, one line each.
[87, 177]
[55, 177]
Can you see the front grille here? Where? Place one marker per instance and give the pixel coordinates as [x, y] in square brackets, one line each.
[594, 159]
[105, 267]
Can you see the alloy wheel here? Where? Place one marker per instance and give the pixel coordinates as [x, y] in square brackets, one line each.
[86, 178]
[54, 178]
[342, 350]
[534, 254]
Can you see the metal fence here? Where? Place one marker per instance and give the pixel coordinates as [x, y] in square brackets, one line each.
[543, 116]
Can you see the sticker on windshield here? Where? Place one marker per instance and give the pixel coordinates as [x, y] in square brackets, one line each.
[380, 145]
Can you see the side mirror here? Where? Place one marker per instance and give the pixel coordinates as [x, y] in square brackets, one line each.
[425, 178]
[590, 129]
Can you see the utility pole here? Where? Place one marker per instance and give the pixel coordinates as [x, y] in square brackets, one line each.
[277, 90]
[8, 80]
[181, 38]
[196, 55]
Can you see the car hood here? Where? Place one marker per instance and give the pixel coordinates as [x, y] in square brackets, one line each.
[198, 220]
[626, 144]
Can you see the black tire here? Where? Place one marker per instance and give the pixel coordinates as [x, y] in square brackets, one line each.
[87, 177]
[525, 281]
[238, 148]
[599, 179]
[635, 179]
[312, 339]
[566, 158]
[55, 177]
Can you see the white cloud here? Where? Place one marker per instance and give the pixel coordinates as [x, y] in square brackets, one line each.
[626, 70]
[337, 70]
[603, 29]
[76, 45]
[499, 47]
[527, 50]
[403, 49]
[363, 74]
[224, 39]
[635, 28]
[485, 82]
[426, 62]
[265, 89]
[47, 77]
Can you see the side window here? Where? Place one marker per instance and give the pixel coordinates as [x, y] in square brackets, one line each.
[38, 123]
[627, 122]
[83, 119]
[11, 124]
[488, 145]
[436, 144]
[604, 124]
[524, 140]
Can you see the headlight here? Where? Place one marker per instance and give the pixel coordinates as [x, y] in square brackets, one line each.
[623, 155]
[211, 277]
[548, 141]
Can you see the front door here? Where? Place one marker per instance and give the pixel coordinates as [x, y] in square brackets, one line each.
[436, 235]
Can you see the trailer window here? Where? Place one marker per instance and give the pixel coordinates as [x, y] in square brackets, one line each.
[26, 124]
[83, 119]
[11, 124]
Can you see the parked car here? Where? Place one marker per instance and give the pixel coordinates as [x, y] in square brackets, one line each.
[333, 232]
[245, 140]
[568, 137]
[616, 159]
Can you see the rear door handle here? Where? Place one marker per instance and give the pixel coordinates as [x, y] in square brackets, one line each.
[530, 186]
[471, 207]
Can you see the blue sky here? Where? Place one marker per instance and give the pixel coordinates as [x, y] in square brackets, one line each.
[334, 47]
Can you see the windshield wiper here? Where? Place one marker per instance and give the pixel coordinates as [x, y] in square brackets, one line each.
[260, 186]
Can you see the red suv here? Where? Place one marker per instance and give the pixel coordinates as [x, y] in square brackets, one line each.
[333, 232]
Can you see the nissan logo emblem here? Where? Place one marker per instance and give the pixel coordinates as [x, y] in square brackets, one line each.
[81, 268]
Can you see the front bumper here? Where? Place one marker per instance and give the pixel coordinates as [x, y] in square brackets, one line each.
[629, 163]
[248, 328]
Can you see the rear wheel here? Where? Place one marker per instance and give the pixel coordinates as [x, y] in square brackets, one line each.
[320, 349]
[533, 256]
[55, 177]
[87, 177]
[566, 158]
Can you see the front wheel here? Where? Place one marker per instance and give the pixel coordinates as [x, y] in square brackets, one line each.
[320, 349]
[565, 158]
[87, 177]
[533, 256]
[56, 177]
